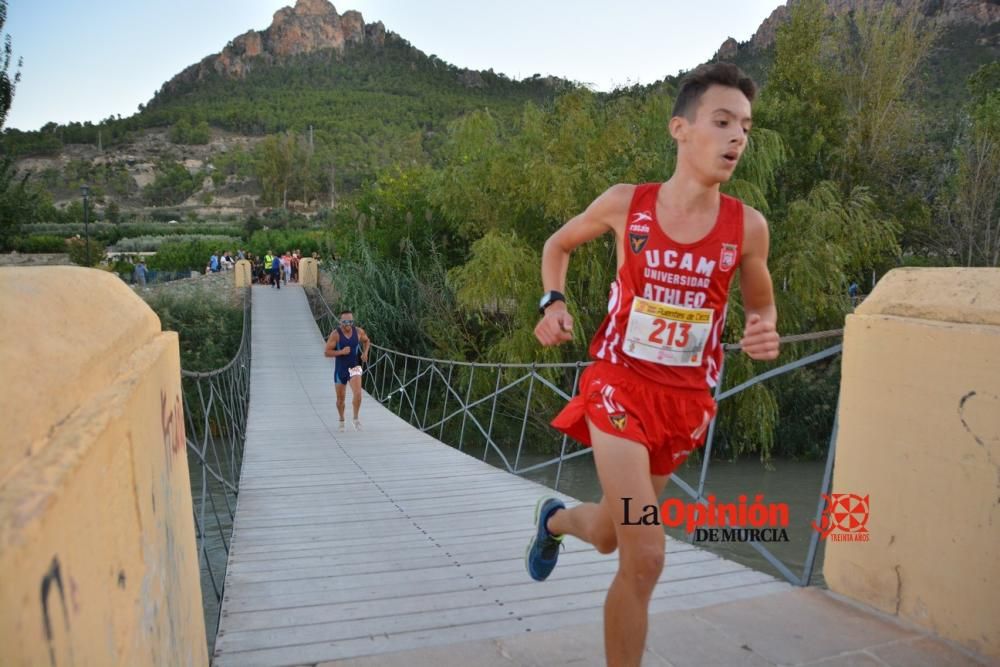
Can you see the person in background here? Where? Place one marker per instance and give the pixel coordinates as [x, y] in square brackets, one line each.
[140, 273]
[276, 272]
[286, 266]
[343, 344]
[268, 261]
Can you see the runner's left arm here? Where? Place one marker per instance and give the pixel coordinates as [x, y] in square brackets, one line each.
[760, 335]
[366, 342]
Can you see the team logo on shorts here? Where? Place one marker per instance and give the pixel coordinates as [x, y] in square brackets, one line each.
[727, 260]
[637, 242]
[618, 420]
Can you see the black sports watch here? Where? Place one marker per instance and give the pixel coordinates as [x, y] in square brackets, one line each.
[548, 299]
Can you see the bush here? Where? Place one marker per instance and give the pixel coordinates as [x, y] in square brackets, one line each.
[77, 249]
[45, 243]
[184, 255]
[106, 230]
[209, 329]
[173, 184]
[154, 243]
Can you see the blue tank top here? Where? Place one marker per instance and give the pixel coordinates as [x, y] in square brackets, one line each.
[348, 360]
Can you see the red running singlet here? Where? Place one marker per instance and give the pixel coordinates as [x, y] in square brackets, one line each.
[667, 306]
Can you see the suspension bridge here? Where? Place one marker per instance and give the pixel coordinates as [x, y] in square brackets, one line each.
[386, 546]
[383, 541]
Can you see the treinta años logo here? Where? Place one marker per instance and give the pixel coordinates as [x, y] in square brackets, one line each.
[711, 521]
[845, 518]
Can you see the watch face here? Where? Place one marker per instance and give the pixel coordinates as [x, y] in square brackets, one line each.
[545, 299]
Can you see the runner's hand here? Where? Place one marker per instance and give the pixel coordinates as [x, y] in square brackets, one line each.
[760, 339]
[556, 326]
[364, 357]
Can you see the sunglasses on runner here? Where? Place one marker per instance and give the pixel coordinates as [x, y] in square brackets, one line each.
[347, 323]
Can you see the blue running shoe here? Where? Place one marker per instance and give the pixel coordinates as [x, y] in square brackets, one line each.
[543, 550]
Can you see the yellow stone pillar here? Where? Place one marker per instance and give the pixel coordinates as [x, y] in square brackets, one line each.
[98, 563]
[308, 272]
[920, 435]
[244, 276]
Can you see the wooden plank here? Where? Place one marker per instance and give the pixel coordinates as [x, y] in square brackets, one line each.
[352, 621]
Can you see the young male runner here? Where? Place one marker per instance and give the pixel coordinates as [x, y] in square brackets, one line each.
[343, 343]
[646, 404]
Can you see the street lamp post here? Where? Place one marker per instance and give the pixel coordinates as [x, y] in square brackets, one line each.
[85, 191]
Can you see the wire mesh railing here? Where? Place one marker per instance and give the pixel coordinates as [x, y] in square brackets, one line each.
[496, 409]
[215, 408]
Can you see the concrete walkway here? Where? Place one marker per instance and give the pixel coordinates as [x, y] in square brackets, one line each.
[805, 626]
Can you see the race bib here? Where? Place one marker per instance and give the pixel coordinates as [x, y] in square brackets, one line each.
[354, 371]
[668, 335]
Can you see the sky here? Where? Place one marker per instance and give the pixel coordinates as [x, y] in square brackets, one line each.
[86, 61]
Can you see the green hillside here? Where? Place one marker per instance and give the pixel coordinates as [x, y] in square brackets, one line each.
[371, 107]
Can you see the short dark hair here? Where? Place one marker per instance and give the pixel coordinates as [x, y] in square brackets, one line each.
[346, 310]
[694, 85]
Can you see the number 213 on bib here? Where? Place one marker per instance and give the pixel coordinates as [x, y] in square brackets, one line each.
[668, 335]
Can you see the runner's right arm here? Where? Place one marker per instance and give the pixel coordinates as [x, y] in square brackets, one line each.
[331, 345]
[606, 213]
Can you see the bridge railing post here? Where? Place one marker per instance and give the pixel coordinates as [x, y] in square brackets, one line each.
[444, 408]
[493, 412]
[465, 408]
[524, 419]
[427, 403]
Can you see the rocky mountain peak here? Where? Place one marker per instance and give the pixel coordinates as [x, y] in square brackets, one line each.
[311, 25]
[313, 8]
[946, 12]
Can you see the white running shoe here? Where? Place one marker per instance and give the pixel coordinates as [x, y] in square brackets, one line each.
[341, 428]
[357, 424]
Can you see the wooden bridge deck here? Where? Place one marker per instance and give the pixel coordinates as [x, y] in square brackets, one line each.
[361, 543]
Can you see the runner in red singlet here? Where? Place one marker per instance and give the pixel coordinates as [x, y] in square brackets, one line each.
[646, 403]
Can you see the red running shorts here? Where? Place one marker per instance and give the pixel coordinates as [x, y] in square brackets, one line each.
[669, 422]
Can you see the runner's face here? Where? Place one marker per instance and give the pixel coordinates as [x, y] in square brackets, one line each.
[716, 139]
[347, 320]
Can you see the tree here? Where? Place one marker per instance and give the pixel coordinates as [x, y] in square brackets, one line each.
[172, 186]
[803, 100]
[17, 202]
[113, 212]
[972, 212]
[7, 85]
[882, 50]
[279, 167]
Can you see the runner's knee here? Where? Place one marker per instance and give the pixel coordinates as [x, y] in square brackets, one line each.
[641, 561]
